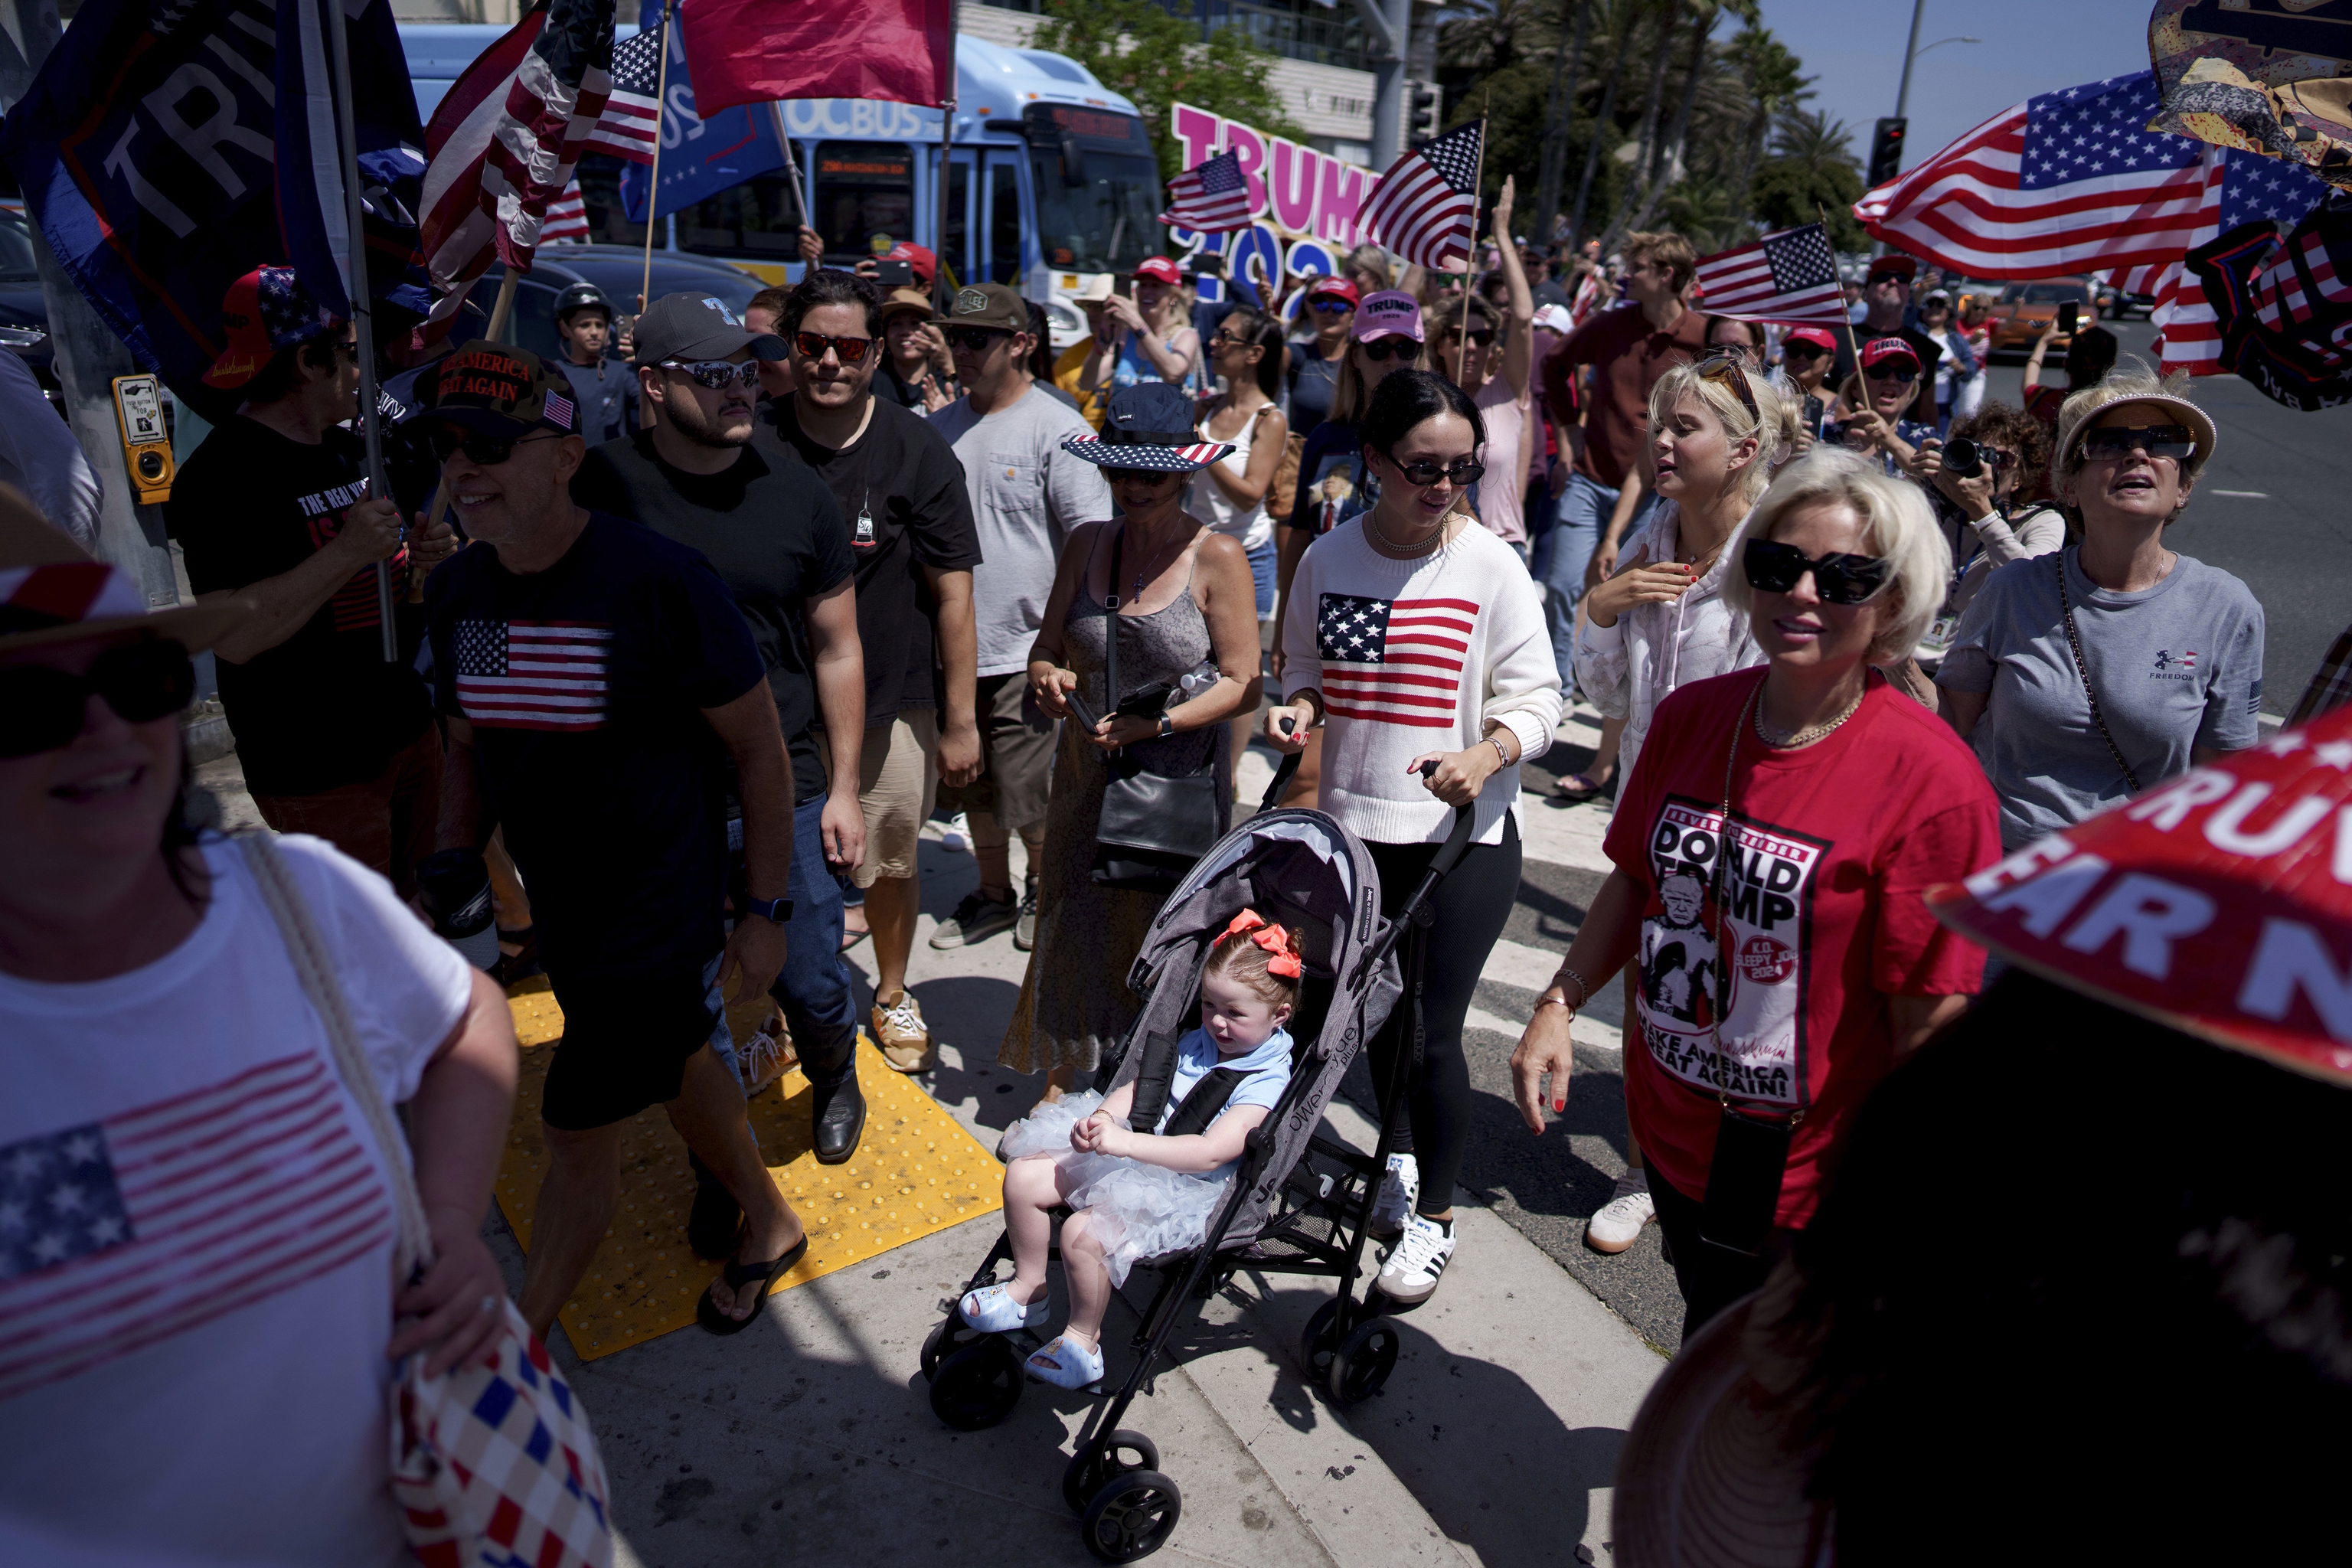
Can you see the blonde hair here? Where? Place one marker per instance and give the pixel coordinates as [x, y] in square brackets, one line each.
[1370, 258]
[2124, 383]
[1897, 524]
[1774, 423]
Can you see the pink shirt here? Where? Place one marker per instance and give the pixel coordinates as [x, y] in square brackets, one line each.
[1502, 489]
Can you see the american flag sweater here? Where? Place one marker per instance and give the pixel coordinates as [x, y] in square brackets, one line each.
[1415, 657]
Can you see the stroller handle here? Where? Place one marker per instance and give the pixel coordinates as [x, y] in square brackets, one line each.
[1457, 842]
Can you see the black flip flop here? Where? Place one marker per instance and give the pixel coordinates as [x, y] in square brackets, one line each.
[1575, 790]
[737, 1274]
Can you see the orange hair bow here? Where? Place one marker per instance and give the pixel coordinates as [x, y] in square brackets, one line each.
[1281, 946]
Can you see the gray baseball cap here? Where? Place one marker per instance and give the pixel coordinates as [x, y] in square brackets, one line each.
[689, 327]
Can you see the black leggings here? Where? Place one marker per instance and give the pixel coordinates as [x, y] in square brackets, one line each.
[1432, 1119]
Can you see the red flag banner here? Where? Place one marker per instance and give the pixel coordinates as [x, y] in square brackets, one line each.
[757, 51]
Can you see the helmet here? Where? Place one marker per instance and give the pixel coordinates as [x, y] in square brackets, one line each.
[581, 297]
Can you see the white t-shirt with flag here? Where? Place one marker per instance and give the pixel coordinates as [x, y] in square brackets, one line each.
[1415, 657]
[197, 1233]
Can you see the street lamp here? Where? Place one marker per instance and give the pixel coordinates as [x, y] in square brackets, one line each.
[1912, 51]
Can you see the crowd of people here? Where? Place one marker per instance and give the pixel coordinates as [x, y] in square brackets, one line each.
[695, 635]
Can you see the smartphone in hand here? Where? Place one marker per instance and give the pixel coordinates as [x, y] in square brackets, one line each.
[2070, 317]
[895, 274]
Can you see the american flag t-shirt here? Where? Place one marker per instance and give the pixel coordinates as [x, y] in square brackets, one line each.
[533, 675]
[1395, 661]
[117, 1233]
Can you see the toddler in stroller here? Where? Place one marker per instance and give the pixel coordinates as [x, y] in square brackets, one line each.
[1142, 1194]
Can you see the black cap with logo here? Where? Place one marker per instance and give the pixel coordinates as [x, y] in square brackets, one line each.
[691, 327]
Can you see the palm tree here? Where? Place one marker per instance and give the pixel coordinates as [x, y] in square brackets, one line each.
[1492, 34]
[1812, 140]
[1665, 171]
[1774, 85]
[1565, 67]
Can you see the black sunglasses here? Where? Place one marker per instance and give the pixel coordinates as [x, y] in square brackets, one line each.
[1802, 351]
[2174, 441]
[1399, 347]
[1329, 305]
[141, 681]
[973, 340]
[1482, 336]
[1776, 568]
[486, 451]
[1463, 471]
[1148, 476]
[1894, 370]
[814, 344]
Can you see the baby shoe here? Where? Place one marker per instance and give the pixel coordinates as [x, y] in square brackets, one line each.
[992, 1311]
[1065, 1363]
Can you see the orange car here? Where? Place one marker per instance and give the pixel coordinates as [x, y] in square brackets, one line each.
[2023, 310]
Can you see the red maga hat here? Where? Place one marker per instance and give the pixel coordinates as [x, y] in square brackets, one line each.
[1878, 351]
[2219, 904]
[1159, 268]
[1817, 336]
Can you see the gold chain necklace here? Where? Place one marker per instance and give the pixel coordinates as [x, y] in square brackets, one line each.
[1812, 732]
[1436, 537]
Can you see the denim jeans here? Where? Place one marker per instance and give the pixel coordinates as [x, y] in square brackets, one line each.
[814, 988]
[1565, 552]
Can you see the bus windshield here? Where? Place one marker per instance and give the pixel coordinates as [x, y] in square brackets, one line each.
[1097, 187]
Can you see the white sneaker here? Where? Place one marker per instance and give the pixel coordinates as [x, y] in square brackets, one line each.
[1399, 1190]
[1619, 1221]
[956, 837]
[1420, 1256]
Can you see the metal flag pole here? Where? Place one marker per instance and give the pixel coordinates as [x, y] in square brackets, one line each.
[355, 284]
[1854, 350]
[939, 269]
[1470, 262]
[652, 175]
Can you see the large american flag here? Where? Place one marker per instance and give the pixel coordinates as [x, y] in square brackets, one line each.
[2239, 188]
[1210, 199]
[120, 1232]
[503, 142]
[1426, 206]
[1395, 660]
[533, 675]
[630, 126]
[1785, 277]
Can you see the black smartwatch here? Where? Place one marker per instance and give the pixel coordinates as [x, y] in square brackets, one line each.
[777, 910]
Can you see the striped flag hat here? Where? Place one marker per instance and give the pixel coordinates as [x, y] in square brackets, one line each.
[52, 591]
[1148, 427]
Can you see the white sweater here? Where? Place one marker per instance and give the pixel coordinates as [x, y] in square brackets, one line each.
[1414, 656]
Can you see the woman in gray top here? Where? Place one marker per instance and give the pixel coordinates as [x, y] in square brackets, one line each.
[2087, 677]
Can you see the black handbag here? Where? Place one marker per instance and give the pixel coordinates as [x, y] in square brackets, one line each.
[1154, 826]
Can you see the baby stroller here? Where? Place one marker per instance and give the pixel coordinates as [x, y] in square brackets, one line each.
[1299, 1203]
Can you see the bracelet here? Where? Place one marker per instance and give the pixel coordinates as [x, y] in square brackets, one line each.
[1544, 1001]
[1496, 741]
[1583, 988]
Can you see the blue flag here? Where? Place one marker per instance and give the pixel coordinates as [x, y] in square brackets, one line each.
[700, 158]
[169, 147]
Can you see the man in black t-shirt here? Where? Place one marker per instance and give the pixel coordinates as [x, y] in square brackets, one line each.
[776, 540]
[334, 739]
[597, 680]
[910, 529]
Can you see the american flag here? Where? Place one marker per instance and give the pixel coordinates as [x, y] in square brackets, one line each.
[630, 126]
[533, 675]
[1210, 199]
[1395, 660]
[1426, 206]
[567, 218]
[2239, 188]
[1785, 277]
[119, 1233]
[503, 142]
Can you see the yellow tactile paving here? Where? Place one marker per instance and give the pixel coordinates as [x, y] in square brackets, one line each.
[915, 1171]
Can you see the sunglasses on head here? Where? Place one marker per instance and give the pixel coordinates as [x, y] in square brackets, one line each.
[1463, 471]
[1777, 568]
[973, 340]
[2174, 441]
[1730, 367]
[444, 441]
[141, 681]
[1330, 305]
[1396, 347]
[814, 344]
[715, 374]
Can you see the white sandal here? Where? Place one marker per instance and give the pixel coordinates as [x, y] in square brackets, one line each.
[1065, 1364]
[992, 1311]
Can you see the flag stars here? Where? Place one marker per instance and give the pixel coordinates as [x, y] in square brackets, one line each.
[2337, 754]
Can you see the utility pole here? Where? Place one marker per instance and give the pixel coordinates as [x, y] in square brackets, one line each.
[1910, 50]
[1388, 24]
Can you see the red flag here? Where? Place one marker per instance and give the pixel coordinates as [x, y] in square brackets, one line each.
[756, 52]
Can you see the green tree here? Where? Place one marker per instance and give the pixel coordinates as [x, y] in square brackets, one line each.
[1154, 59]
[1813, 165]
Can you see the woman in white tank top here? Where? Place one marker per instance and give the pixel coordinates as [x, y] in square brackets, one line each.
[1229, 497]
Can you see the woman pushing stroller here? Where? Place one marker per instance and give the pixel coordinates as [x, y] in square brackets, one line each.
[1140, 1194]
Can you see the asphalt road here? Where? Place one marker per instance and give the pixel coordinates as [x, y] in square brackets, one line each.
[2274, 507]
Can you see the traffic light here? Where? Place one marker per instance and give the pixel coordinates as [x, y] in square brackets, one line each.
[1886, 151]
[1420, 112]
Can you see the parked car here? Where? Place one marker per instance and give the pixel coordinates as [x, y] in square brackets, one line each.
[2023, 310]
[619, 271]
[23, 314]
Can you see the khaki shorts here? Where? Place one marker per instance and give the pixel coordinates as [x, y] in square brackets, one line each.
[896, 774]
[1016, 751]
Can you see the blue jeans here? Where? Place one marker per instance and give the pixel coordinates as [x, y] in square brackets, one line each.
[814, 987]
[1262, 563]
[1566, 550]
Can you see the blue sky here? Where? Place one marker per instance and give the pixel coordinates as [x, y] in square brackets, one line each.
[1855, 49]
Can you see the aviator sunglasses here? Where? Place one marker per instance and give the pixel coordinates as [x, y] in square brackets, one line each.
[1776, 568]
[814, 344]
[1730, 366]
[141, 681]
[715, 374]
[2174, 441]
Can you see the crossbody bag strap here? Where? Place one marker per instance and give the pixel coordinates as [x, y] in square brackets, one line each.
[1110, 627]
[308, 951]
[2075, 642]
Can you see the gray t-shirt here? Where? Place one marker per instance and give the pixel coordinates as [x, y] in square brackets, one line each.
[1026, 496]
[2176, 666]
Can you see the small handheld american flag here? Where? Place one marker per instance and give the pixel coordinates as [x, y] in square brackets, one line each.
[1426, 207]
[631, 122]
[1213, 198]
[1785, 277]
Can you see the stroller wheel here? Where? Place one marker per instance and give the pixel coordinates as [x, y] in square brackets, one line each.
[1132, 1516]
[1096, 1464]
[949, 1337]
[978, 1386]
[1361, 1367]
[1319, 1340]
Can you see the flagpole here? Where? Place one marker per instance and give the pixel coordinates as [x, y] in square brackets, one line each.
[1470, 263]
[1853, 350]
[939, 270]
[356, 285]
[653, 176]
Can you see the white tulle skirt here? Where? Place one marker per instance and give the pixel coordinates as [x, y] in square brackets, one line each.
[1139, 1211]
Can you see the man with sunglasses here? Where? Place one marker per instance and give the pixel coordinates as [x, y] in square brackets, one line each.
[1882, 429]
[334, 739]
[909, 534]
[597, 678]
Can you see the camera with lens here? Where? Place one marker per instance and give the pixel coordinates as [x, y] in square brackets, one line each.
[1962, 458]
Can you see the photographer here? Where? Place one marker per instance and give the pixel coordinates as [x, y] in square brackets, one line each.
[1975, 477]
